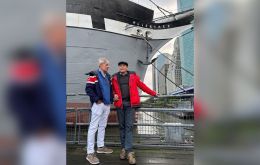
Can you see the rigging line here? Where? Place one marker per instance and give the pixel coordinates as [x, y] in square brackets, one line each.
[175, 62]
[165, 10]
[160, 8]
[168, 57]
[168, 78]
[162, 12]
[182, 10]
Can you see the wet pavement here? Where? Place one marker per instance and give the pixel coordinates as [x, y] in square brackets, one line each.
[76, 156]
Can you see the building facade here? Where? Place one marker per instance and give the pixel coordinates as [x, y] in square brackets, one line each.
[174, 71]
[181, 57]
[186, 42]
[162, 64]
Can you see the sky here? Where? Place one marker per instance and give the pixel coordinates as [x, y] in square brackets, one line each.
[167, 48]
[170, 5]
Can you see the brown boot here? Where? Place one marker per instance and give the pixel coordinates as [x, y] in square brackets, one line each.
[131, 158]
[92, 158]
[123, 154]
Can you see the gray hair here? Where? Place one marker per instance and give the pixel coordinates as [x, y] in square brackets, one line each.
[103, 60]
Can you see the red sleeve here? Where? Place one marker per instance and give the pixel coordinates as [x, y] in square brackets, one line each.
[91, 80]
[113, 84]
[114, 88]
[144, 88]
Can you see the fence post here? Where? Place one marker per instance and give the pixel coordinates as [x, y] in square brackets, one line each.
[75, 129]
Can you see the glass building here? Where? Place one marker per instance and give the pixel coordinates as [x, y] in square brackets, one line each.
[186, 42]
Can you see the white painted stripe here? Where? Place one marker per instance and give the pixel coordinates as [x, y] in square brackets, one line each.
[78, 20]
[88, 82]
[91, 82]
[120, 27]
[85, 21]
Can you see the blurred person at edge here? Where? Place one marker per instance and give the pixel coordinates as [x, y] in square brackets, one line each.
[37, 98]
[51, 53]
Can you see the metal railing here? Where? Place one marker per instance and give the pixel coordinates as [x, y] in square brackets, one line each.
[153, 127]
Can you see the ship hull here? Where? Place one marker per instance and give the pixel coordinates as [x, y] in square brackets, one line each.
[86, 45]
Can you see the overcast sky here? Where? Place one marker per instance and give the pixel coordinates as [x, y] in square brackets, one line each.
[170, 5]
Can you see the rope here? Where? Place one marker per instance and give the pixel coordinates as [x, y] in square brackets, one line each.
[168, 57]
[161, 9]
[168, 78]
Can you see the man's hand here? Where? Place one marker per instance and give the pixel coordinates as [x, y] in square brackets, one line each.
[99, 101]
[116, 98]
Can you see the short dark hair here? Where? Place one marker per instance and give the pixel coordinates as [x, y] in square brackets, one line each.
[123, 63]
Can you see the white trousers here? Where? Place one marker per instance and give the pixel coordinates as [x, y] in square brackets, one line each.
[99, 116]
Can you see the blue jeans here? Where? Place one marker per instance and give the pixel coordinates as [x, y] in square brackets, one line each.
[126, 123]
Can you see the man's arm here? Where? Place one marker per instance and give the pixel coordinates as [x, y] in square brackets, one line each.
[90, 87]
[144, 87]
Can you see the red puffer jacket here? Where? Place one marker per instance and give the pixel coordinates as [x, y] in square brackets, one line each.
[134, 82]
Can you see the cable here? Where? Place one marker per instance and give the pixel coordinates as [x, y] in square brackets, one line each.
[175, 62]
[168, 57]
[160, 8]
[168, 78]
[169, 60]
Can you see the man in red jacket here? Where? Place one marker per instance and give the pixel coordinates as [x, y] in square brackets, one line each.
[126, 98]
